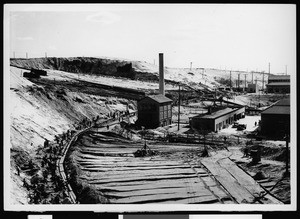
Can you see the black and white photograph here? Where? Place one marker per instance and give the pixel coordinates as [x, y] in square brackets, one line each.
[150, 107]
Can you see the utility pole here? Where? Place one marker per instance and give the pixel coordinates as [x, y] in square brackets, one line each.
[252, 77]
[26, 55]
[230, 79]
[178, 105]
[245, 81]
[45, 54]
[269, 68]
[263, 81]
[239, 81]
[191, 66]
[285, 69]
[286, 138]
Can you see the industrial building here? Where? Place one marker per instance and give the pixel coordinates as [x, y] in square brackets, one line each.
[252, 88]
[155, 110]
[215, 121]
[275, 120]
[278, 84]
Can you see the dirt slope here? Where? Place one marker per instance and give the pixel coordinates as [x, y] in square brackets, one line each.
[38, 112]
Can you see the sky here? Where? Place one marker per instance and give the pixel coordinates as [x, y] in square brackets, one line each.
[224, 36]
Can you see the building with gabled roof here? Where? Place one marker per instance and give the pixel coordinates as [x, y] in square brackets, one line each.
[275, 120]
[215, 120]
[278, 84]
[154, 111]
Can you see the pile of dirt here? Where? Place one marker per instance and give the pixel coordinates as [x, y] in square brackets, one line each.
[275, 153]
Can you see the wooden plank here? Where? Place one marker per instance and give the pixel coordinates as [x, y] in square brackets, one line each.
[175, 184]
[105, 168]
[155, 198]
[138, 178]
[194, 200]
[169, 182]
[245, 180]
[160, 191]
[135, 173]
[132, 164]
[240, 194]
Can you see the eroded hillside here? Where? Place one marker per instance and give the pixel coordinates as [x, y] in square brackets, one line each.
[41, 112]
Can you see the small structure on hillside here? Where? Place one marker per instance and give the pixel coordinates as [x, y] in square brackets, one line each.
[275, 120]
[217, 119]
[278, 84]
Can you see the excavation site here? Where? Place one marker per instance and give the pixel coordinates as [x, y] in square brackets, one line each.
[88, 130]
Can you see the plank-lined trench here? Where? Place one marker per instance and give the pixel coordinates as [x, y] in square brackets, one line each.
[107, 162]
[176, 175]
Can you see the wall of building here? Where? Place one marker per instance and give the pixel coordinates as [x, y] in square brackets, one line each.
[148, 113]
[275, 125]
[278, 89]
[165, 114]
[217, 124]
[221, 122]
[152, 114]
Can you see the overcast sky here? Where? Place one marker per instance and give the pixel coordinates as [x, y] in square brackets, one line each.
[237, 37]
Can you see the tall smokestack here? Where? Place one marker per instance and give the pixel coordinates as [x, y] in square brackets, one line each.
[161, 74]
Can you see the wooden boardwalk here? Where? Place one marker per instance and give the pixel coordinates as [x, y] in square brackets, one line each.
[242, 187]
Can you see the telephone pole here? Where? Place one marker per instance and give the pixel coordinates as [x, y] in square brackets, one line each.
[239, 81]
[245, 81]
[230, 79]
[178, 105]
[191, 66]
[252, 78]
[269, 68]
[285, 69]
[263, 81]
[45, 54]
[26, 55]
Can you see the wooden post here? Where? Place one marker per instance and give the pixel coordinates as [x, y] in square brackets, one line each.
[178, 106]
[287, 157]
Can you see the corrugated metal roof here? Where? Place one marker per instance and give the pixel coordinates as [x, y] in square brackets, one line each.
[218, 113]
[283, 102]
[279, 77]
[159, 98]
[278, 84]
[277, 110]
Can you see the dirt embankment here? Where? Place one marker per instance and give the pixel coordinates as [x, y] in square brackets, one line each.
[87, 65]
[42, 112]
